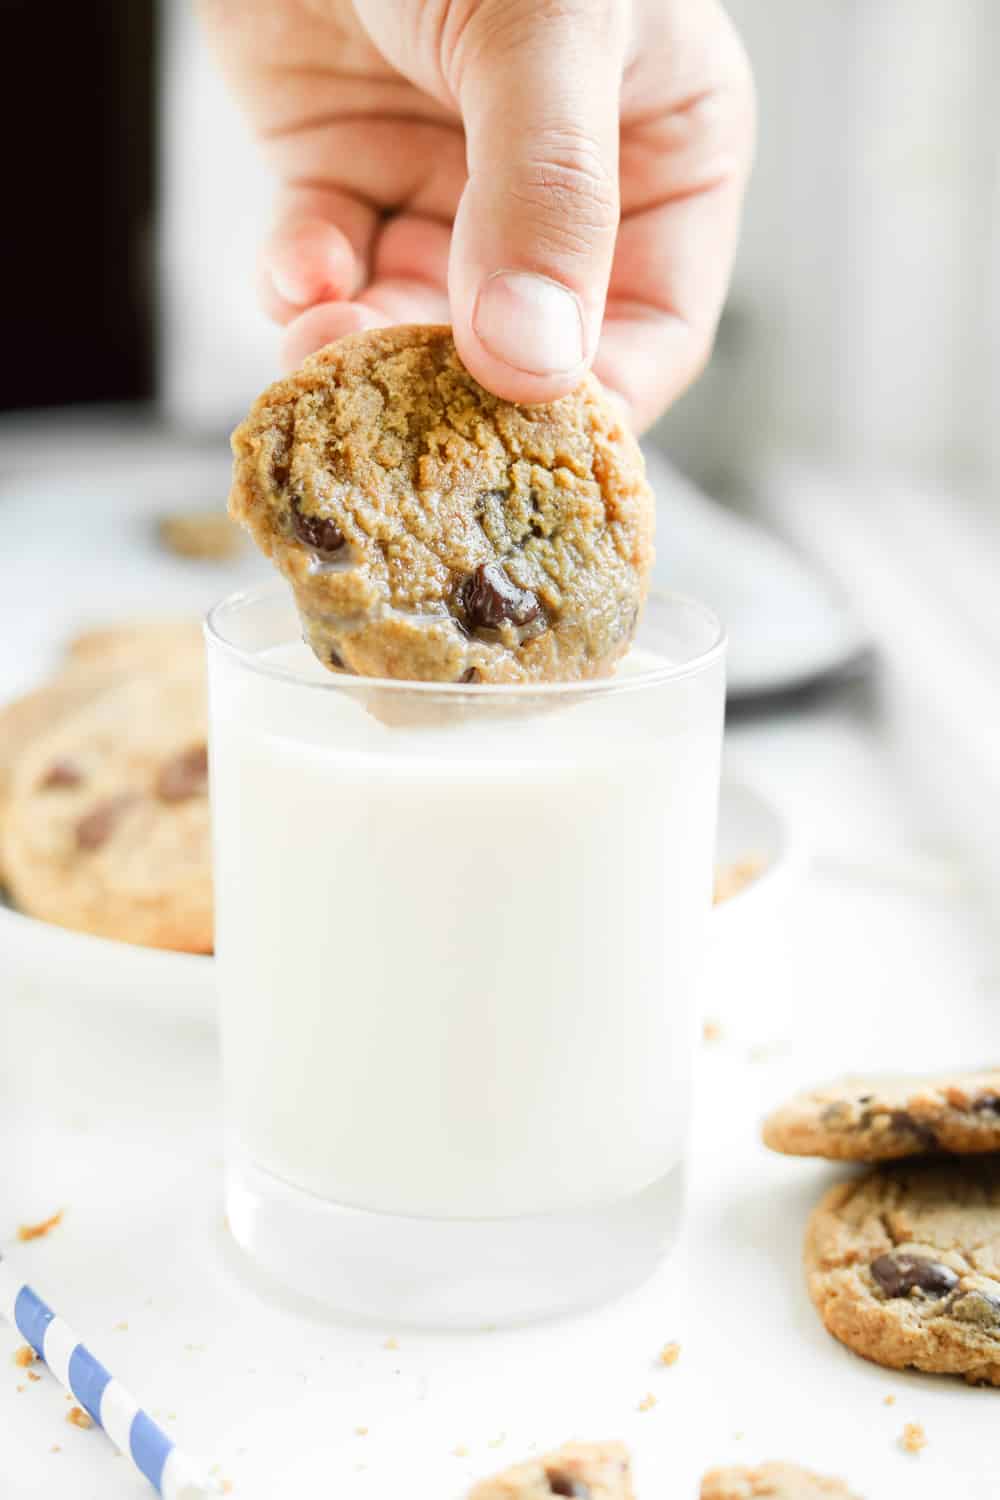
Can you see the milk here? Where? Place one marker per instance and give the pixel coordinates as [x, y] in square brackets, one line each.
[456, 952]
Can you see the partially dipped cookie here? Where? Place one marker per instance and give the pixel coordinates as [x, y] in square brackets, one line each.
[903, 1265]
[433, 532]
[887, 1118]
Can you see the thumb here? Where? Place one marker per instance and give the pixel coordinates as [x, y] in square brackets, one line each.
[538, 86]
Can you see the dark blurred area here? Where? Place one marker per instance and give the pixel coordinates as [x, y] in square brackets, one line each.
[77, 110]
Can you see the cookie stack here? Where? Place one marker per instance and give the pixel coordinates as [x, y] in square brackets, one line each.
[903, 1262]
[104, 820]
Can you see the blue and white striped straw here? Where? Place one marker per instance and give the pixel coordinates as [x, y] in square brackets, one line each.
[172, 1474]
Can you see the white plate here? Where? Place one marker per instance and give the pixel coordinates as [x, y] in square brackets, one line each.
[181, 986]
[787, 626]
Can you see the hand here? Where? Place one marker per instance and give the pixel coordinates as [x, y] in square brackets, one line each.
[559, 179]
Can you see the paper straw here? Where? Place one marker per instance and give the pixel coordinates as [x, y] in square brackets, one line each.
[173, 1475]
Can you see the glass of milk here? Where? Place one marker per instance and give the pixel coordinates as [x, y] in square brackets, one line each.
[459, 929]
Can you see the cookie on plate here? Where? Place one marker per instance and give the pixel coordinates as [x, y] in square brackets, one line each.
[431, 531]
[138, 644]
[107, 827]
[883, 1119]
[27, 719]
[772, 1482]
[589, 1471]
[903, 1265]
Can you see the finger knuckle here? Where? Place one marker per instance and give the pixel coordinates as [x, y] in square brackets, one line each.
[566, 185]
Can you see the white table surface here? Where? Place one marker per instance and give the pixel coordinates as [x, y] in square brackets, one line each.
[886, 963]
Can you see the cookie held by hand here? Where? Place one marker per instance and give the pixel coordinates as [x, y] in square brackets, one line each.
[431, 531]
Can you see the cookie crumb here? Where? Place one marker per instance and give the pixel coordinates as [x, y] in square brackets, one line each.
[361, 1431]
[648, 1402]
[711, 1031]
[227, 1486]
[670, 1354]
[460, 1451]
[33, 1376]
[77, 1417]
[889, 1401]
[20, 1388]
[913, 1438]
[25, 1356]
[55, 1448]
[26, 1232]
[391, 1344]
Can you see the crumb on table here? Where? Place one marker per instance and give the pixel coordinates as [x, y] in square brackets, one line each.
[391, 1344]
[670, 1354]
[361, 1431]
[77, 1417]
[712, 1031]
[25, 1356]
[889, 1401]
[648, 1402]
[460, 1450]
[33, 1376]
[26, 1232]
[735, 877]
[913, 1438]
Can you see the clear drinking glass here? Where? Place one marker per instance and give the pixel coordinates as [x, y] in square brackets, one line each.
[458, 930]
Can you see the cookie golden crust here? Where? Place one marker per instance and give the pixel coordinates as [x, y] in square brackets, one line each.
[885, 1119]
[431, 531]
[903, 1265]
[589, 1471]
[773, 1481]
[107, 828]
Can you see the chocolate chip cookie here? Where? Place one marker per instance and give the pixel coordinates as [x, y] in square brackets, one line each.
[107, 827]
[431, 531]
[883, 1119]
[774, 1481]
[588, 1471]
[27, 719]
[146, 645]
[904, 1266]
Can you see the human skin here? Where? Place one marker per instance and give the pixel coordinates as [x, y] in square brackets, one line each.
[560, 179]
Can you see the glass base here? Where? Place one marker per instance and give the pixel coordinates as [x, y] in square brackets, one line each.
[450, 1273]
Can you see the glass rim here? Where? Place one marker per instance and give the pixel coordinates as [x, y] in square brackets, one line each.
[693, 665]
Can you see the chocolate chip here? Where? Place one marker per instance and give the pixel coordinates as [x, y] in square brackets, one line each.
[865, 1098]
[901, 1119]
[471, 674]
[61, 773]
[898, 1275]
[184, 776]
[561, 1483]
[336, 660]
[986, 1104]
[490, 598]
[975, 1306]
[320, 534]
[97, 826]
